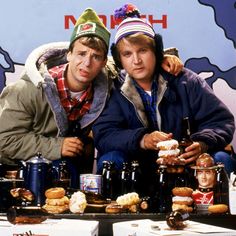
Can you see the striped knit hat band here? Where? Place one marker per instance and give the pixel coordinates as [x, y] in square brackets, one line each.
[131, 26]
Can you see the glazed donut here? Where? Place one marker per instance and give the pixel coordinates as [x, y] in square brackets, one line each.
[168, 144]
[114, 208]
[53, 193]
[185, 208]
[218, 208]
[58, 201]
[55, 209]
[182, 191]
[23, 193]
[15, 192]
[175, 169]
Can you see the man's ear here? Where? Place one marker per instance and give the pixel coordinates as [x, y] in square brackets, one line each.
[104, 63]
[68, 56]
[114, 53]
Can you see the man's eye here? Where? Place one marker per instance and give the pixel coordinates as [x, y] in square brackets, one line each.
[143, 50]
[97, 57]
[126, 54]
[82, 54]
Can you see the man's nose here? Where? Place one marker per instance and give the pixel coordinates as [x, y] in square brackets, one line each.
[136, 58]
[87, 60]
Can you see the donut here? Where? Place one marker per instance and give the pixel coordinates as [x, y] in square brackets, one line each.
[182, 200]
[128, 199]
[175, 169]
[218, 208]
[182, 191]
[169, 153]
[15, 192]
[168, 144]
[23, 193]
[185, 208]
[53, 193]
[114, 208]
[78, 202]
[58, 201]
[55, 209]
[133, 208]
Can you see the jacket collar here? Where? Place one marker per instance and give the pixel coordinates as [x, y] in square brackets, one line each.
[164, 90]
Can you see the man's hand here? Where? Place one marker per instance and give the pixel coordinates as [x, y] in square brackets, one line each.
[192, 152]
[72, 147]
[172, 64]
[149, 141]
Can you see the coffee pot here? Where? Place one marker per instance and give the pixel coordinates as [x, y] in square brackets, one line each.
[37, 177]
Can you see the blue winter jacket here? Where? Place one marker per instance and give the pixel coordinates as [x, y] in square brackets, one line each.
[123, 122]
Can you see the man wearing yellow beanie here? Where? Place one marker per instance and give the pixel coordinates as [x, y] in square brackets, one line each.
[51, 108]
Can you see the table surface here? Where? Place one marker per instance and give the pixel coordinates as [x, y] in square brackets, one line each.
[106, 220]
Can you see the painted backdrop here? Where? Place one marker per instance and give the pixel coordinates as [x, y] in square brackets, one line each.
[203, 30]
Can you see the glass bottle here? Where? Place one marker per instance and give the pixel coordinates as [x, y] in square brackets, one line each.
[135, 177]
[104, 173]
[63, 178]
[163, 193]
[26, 215]
[185, 134]
[221, 189]
[175, 220]
[107, 179]
[124, 179]
[145, 204]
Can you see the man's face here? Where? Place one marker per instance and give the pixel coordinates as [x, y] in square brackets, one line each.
[138, 60]
[206, 178]
[84, 65]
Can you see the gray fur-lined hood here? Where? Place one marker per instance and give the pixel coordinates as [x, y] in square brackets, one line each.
[37, 62]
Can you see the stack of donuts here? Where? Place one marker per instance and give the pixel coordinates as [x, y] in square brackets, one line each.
[56, 201]
[169, 155]
[182, 199]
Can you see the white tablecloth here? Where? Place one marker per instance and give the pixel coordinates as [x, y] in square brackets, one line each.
[150, 228]
[50, 227]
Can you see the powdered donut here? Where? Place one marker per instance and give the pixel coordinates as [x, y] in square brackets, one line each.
[77, 202]
[169, 153]
[182, 200]
[168, 144]
[128, 199]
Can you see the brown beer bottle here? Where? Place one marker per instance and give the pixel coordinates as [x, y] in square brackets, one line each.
[26, 215]
[221, 188]
[186, 132]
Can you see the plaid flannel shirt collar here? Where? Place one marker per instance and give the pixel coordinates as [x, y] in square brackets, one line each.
[74, 107]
